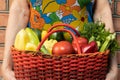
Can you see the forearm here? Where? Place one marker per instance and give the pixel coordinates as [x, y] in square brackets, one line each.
[18, 19]
[103, 12]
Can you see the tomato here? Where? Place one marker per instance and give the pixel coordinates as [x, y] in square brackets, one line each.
[82, 42]
[62, 48]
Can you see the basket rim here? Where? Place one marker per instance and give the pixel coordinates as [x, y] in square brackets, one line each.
[36, 53]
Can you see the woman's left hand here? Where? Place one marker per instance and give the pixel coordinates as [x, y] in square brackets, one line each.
[112, 75]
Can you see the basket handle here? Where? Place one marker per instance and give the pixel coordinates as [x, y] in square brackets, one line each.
[66, 25]
[60, 30]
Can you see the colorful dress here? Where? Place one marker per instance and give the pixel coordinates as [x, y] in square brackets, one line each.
[45, 13]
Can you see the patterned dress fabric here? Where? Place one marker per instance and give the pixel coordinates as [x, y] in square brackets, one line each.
[45, 13]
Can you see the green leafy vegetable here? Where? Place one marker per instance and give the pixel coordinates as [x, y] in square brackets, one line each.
[106, 43]
[105, 39]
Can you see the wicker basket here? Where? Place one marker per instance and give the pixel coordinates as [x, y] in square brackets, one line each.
[29, 65]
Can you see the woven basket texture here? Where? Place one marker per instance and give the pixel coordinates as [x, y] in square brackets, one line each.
[30, 65]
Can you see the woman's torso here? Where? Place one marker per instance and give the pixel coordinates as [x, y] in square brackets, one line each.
[45, 13]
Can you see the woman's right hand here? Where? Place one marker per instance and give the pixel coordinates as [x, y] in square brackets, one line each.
[8, 74]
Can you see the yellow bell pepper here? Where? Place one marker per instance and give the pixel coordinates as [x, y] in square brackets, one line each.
[21, 40]
[32, 36]
[26, 39]
[30, 47]
[43, 34]
[49, 45]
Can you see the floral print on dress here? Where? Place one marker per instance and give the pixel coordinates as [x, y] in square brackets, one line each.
[59, 11]
[82, 18]
[69, 7]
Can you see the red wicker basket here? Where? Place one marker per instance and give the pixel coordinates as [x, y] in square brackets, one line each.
[29, 65]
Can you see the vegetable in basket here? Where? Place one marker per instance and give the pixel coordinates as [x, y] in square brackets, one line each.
[44, 50]
[38, 32]
[48, 44]
[30, 46]
[96, 32]
[21, 40]
[85, 46]
[62, 48]
[107, 42]
[90, 48]
[26, 39]
[57, 36]
[81, 40]
[33, 38]
[43, 33]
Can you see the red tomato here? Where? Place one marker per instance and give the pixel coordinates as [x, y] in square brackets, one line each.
[82, 42]
[62, 48]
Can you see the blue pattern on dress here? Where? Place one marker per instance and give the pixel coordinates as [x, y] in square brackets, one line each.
[68, 19]
[61, 1]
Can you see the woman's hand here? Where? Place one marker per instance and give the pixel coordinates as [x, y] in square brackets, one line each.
[112, 75]
[8, 74]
